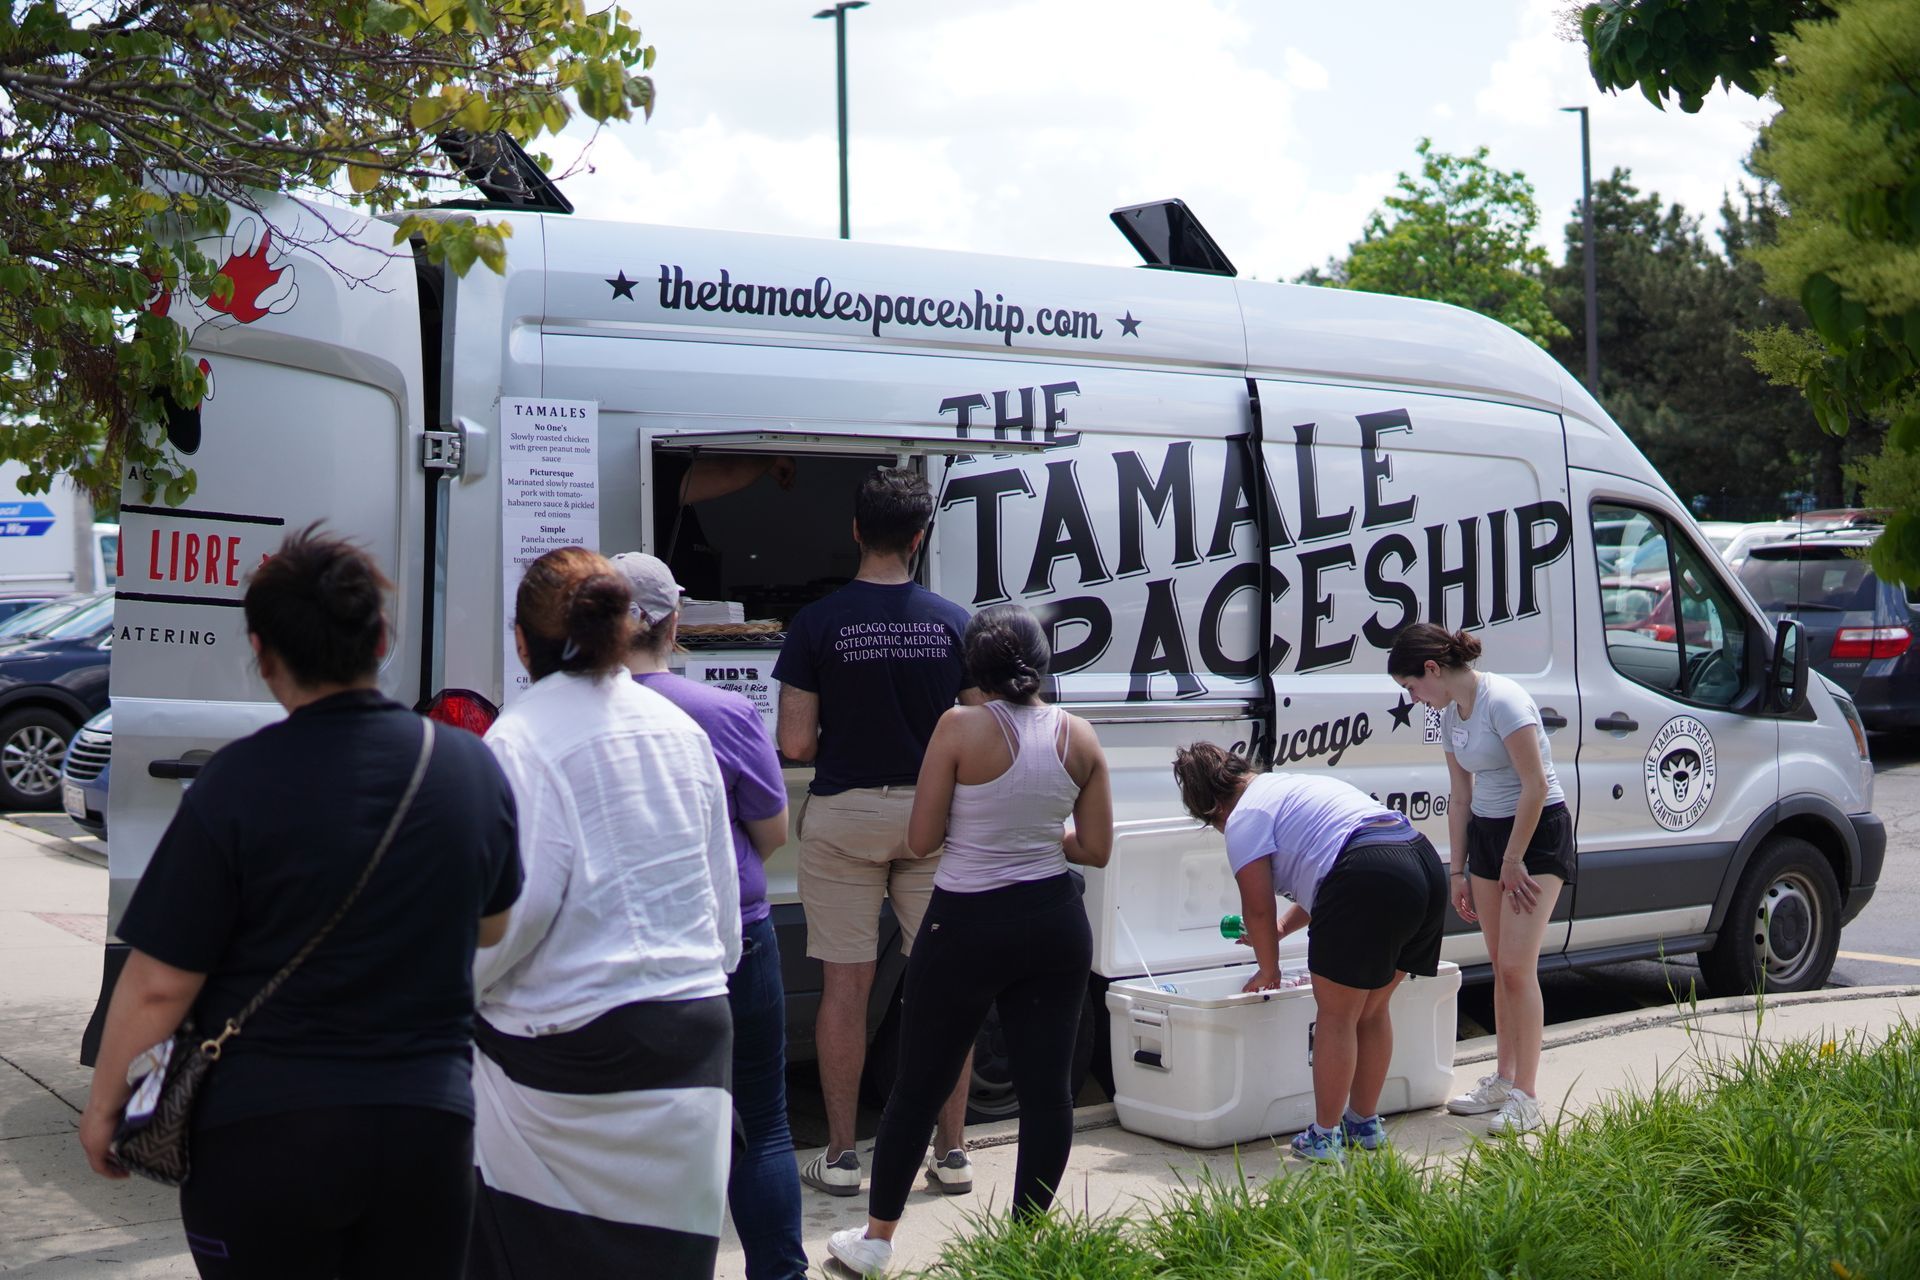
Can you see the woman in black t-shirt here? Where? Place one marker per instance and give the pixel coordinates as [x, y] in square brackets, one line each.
[334, 1136]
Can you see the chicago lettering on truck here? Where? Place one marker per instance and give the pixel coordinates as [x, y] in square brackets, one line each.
[1133, 580]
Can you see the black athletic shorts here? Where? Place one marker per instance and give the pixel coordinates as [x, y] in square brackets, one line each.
[1549, 853]
[1380, 910]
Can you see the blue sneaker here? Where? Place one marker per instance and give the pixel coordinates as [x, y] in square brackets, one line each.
[1369, 1134]
[1318, 1145]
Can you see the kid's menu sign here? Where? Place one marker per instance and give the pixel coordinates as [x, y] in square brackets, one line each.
[549, 495]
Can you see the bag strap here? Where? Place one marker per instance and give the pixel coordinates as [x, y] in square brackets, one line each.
[212, 1047]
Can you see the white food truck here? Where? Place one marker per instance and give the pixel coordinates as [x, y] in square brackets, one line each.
[1221, 497]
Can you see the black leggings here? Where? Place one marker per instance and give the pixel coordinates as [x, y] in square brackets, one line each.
[359, 1193]
[1027, 947]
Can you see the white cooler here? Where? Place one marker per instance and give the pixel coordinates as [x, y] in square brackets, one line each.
[1207, 1065]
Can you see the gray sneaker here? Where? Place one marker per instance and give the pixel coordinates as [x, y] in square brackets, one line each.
[841, 1178]
[951, 1174]
[1486, 1096]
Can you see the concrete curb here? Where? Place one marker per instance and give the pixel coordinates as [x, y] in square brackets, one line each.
[1482, 1048]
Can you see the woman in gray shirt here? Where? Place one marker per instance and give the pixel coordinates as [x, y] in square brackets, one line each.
[1510, 842]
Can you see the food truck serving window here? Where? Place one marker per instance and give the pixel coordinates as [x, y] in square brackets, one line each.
[758, 523]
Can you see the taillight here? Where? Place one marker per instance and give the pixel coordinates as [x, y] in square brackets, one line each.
[463, 709]
[1871, 642]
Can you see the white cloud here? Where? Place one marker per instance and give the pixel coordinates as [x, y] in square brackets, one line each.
[1304, 74]
[1013, 126]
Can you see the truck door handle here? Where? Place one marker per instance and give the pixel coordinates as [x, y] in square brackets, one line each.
[174, 769]
[1552, 719]
[1618, 722]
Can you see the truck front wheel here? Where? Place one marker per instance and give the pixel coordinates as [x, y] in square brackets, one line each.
[1782, 929]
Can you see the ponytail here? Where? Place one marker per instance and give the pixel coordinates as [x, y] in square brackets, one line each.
[575, 612]
[1007, 654]
[1208, 776]
[1421, 643]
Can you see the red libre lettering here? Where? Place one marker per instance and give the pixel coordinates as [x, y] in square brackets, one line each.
[213, 559]
[153, 558]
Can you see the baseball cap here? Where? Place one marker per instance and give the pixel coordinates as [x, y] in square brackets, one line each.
[655, 593]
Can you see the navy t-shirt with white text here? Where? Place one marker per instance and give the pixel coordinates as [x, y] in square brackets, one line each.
[885, 660]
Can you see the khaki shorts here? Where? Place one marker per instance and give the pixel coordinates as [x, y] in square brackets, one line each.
[853, 854]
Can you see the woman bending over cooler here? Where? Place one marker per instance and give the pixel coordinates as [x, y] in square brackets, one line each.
[1372, 887]
[1511, 842]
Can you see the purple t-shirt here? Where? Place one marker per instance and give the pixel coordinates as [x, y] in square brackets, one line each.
[748, 765]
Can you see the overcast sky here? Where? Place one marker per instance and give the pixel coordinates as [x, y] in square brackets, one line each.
[1013, 128]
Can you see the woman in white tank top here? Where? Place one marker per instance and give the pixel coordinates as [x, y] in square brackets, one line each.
[998, 787]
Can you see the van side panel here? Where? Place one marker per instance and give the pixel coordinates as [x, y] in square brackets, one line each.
[1401, 508]
[1136, 544]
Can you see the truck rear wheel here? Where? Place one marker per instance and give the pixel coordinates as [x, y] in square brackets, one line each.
[1782, 929]
[33, 743]
[990, 1093]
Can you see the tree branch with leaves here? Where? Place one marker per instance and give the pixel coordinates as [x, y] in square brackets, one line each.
[130, 130]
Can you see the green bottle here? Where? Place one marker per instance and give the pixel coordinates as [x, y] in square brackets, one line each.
[1232, 928]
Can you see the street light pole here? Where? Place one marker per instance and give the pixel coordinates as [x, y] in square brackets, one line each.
[1592, 269]
[839, 15]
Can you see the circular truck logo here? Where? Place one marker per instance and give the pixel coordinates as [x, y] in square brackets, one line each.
[1680, 773]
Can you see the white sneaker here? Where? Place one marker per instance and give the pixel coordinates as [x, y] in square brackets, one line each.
[856, 1253]
[841, 1178]
[951, 1174]
[1489, 1095]
[1520, 1113]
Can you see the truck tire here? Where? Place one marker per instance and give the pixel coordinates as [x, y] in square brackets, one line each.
[33, 743]
[990, 1094]
[1782, 929]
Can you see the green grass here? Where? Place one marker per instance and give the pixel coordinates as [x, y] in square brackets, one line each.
[1800, 1160]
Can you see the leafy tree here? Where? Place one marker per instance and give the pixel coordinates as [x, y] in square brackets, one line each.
[1460, 232]
[1673, 316]
[1844, 150]
[130, 128]
[1681, 48]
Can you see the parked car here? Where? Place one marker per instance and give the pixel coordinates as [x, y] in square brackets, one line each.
[83, 778]
[14, 603]
[1720, 534]
[1756, 534]
[1845, 518]
[1859, 630]
[49, 687]
[34, 622]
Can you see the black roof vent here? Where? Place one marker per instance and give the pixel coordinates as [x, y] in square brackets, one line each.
[502, 171]
[1168, 236]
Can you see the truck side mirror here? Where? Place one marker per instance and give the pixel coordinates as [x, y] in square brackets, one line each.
[1787, 675]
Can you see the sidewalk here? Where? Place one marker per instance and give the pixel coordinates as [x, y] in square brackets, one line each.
[57, 1220]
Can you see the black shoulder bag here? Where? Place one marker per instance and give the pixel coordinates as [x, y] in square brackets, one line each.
[153, 1143]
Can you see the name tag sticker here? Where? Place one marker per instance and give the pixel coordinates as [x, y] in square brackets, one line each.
[1459, 741]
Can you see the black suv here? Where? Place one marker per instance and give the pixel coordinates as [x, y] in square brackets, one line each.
[51, 683]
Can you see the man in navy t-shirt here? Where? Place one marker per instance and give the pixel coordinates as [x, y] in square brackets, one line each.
[864, 676]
